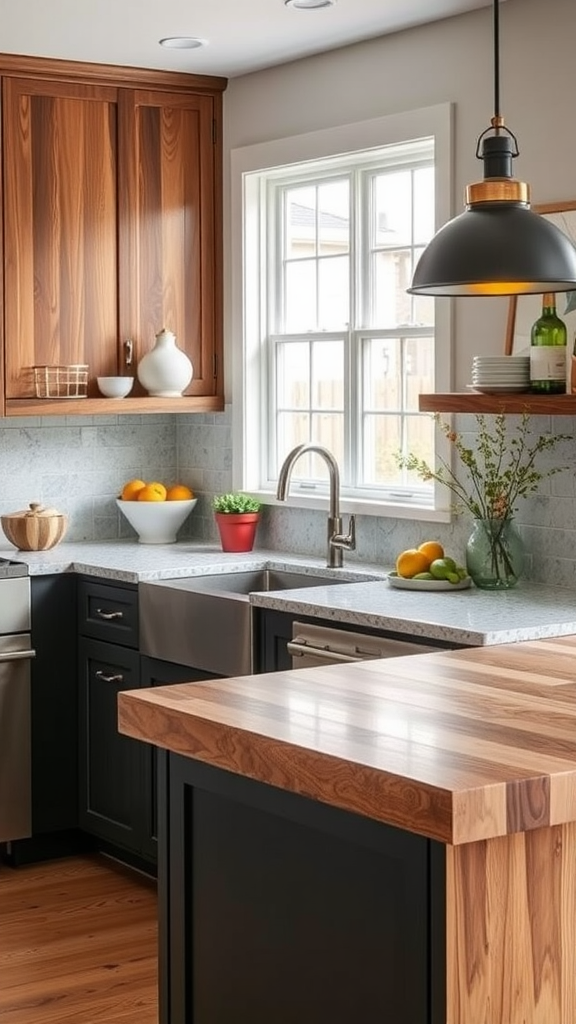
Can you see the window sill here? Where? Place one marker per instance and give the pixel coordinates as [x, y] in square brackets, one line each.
[353, 506]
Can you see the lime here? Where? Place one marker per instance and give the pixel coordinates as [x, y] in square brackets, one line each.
[442, 567]
[423, 576]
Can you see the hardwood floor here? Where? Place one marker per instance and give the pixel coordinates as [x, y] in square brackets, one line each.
[78, 944]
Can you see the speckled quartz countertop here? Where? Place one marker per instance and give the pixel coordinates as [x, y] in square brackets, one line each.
[470, 617]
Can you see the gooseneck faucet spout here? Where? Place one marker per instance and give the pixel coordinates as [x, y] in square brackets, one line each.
[337, 541]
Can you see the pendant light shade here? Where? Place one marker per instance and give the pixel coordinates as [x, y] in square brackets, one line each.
[501, 249]
[498, 246]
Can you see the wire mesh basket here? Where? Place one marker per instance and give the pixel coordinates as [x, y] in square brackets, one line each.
[61, 381]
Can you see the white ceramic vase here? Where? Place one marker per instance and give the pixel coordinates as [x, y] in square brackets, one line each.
[165, 371]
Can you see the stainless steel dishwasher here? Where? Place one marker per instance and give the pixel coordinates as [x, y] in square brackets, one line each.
[15, 743]
[320, 645]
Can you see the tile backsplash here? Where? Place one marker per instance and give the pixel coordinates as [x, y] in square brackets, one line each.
[78, 464]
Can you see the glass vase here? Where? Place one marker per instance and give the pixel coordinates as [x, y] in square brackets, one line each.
[495, 554]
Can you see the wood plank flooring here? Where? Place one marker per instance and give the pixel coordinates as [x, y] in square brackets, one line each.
[78, 944]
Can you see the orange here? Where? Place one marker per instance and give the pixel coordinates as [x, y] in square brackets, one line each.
[432, 549]
[179, 492]
[130, 489]
[411, 562]
[152, 492]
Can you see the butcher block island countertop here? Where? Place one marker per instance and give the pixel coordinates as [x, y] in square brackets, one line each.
[457, 746]
[463, 762]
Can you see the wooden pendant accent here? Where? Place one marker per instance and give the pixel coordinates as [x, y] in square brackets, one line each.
[511, 927]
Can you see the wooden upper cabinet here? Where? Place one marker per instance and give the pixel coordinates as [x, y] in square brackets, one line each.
[60, 229]
[168, 225]
[112, 232]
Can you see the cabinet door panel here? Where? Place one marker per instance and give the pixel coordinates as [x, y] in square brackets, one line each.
[60, 262]
[110, 768]
[169, 272]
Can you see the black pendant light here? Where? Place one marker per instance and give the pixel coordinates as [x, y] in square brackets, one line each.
[498, 246]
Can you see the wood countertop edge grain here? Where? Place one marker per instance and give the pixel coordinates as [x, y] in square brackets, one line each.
[458, 746]
[348, 785]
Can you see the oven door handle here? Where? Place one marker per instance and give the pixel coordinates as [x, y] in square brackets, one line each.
[17, 655]
[297, 650]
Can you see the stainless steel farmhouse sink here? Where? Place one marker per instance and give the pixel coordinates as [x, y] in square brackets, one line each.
[244, 583]
[205, 622]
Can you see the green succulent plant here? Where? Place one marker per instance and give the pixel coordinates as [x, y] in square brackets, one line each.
[235, 503]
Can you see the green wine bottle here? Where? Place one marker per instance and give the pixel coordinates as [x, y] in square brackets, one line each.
[548, 340]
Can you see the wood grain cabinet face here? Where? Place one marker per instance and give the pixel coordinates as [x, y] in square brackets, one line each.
[112, 219]
[60, 215]
[167, 218]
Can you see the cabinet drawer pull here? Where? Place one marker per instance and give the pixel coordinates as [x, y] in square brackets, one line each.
[128, 351]
[118, 678]
[108, 616]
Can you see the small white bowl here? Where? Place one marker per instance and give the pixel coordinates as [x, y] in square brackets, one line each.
[115, 387]
[156, 522]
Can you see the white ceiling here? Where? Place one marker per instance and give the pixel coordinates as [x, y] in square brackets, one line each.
[243, 35]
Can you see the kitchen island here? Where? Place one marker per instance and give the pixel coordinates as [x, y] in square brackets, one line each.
[385, 841]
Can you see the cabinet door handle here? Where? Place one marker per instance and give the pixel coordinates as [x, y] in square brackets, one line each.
[128, 351]
[118, 678]
[108, 616]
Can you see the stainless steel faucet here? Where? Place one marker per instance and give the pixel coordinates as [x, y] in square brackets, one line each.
[337, 541]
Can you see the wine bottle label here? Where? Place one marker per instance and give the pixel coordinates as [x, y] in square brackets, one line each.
[548, 362]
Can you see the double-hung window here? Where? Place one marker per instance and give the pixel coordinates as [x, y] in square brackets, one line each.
[335, 351]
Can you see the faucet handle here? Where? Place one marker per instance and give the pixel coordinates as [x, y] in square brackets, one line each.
[345, 540]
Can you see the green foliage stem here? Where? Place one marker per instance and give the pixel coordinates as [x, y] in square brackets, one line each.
[500, 472]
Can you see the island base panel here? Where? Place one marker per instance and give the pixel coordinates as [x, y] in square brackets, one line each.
[278, 908]
[511, 926]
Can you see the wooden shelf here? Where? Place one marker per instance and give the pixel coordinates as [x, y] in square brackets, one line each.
[110, 406]
[536, 405]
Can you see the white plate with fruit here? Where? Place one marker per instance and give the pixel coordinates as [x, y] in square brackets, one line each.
[428, 568]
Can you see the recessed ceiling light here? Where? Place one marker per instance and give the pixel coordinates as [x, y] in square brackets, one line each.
[309, 5]
[183, 42]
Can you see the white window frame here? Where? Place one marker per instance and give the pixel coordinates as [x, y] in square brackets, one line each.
[247, 311]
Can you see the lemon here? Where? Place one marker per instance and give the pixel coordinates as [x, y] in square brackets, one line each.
[432, 549]
[131, 489]
[152, 492]
[179, 492]
[410, 562]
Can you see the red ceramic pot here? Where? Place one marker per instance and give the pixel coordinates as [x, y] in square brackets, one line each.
[237, 530]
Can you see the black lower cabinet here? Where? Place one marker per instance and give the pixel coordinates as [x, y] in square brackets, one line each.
[117, 775]
[277, 908]
[110, 765]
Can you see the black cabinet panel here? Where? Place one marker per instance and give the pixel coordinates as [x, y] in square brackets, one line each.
[110, 772]
[278, 908]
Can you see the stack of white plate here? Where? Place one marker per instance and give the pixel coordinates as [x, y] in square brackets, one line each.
[493, 374]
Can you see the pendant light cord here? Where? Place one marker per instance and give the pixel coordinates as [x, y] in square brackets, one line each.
[497, 125]
[497, 59]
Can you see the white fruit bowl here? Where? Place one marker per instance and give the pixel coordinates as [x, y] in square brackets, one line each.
[156, 522]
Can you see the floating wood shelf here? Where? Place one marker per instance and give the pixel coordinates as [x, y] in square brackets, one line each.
[110, 406]
[472, 402]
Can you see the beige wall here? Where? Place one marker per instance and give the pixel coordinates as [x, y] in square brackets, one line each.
[449, 61]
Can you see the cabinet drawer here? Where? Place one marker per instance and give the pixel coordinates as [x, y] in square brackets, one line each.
[108, 613]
